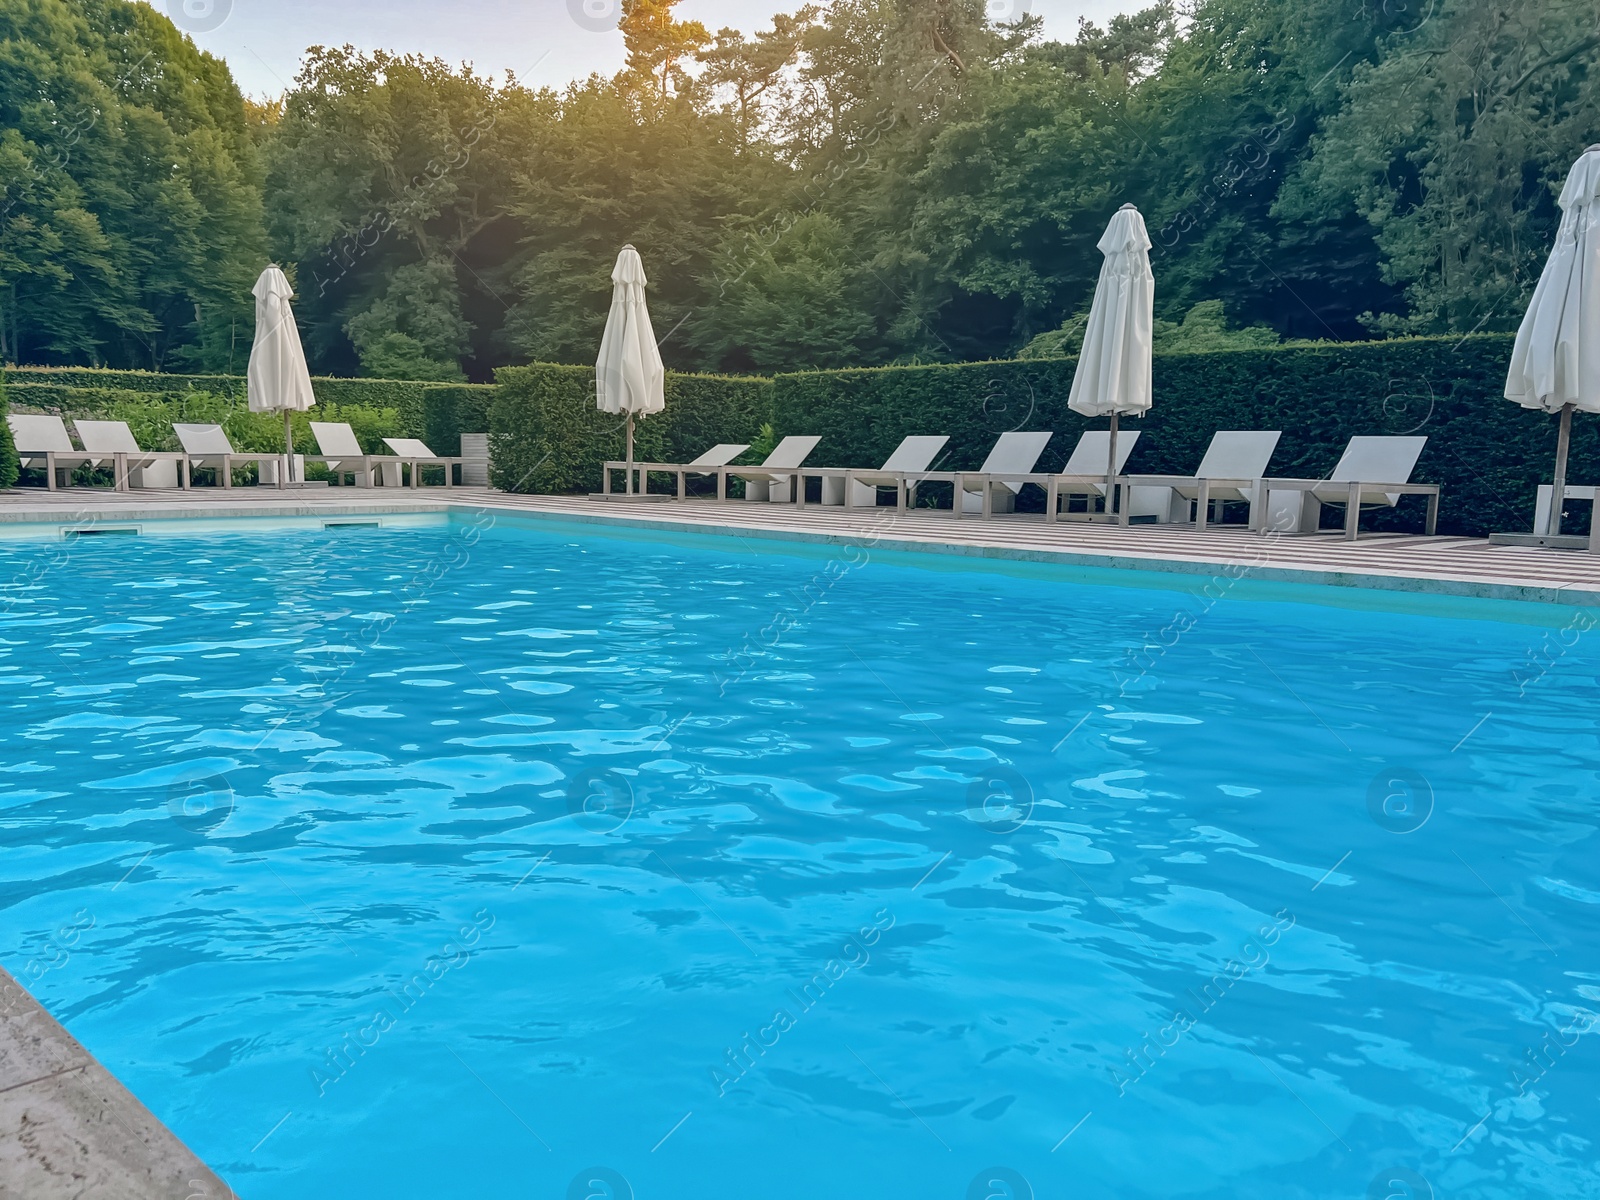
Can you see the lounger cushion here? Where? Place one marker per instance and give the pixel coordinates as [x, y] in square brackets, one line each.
[39, 434]
[720, 455]
[106, 437]
[203, 440]
[409, 448]
[336, 439]
[1089, 455]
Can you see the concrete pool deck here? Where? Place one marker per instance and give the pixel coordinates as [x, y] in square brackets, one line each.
[1455, 566]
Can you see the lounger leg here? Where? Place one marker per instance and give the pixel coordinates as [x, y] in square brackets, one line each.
[1202, 507]
[1594, 523]
[1432, 527]
[226, 470]
[988, 500]
[1352, 514]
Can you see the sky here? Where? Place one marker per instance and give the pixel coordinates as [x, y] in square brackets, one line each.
[546, 42]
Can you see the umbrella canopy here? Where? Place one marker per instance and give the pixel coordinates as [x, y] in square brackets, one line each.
[1113, 375]
[1555, 363]
[628, 374]
[279, 379]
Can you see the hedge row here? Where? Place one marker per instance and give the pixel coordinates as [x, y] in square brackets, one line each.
[1489, 454]
[438, 413]
[548, 436]
[8, 451]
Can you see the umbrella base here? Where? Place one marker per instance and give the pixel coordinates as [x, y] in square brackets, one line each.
[1552, 541]
[636, 497]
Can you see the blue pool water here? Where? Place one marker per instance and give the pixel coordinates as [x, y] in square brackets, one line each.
[492, 861]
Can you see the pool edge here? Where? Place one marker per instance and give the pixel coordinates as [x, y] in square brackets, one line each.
[68, 1127]
[1569, 595]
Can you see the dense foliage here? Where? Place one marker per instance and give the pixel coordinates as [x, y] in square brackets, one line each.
[8, 449]
[376, 408]
[865, 182]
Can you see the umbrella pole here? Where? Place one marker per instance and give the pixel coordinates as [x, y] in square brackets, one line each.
[1558, 493]
[1111, 467]
[288, 449]
[630, 454]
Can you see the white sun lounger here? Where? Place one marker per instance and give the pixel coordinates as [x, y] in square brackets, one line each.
[711, 462]
[207, 447]
[42, 444]
[132, 467]
[1084, 473]
[1013, 454]
[911, 457]
[1233, 463]
[1374, 472]
[414, 452]
[341, 452]
[766, 483]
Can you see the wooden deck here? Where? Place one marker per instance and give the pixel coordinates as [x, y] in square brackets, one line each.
[1444, 565]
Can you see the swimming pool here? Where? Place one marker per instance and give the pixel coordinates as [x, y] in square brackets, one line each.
[532, 859]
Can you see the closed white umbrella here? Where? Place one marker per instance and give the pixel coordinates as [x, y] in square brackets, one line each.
[1555, 364]
[278, 378]
[1113, 375]
[628, 374]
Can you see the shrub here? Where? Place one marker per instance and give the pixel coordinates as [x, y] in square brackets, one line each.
[548, 436]
[8, 449]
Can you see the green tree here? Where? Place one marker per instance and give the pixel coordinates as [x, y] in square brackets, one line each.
[658, 45]
[130, 203]
[805, 302]
[1452, 147]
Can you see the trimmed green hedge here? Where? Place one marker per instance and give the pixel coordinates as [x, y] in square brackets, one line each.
[438, 413]
[1489, 454]
[548, 436]
[8, 450]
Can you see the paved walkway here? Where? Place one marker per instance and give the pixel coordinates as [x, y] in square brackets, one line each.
[1391, 562]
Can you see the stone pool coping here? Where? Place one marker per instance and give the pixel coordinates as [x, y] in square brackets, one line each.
[1392, 563]
[68, 1128]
